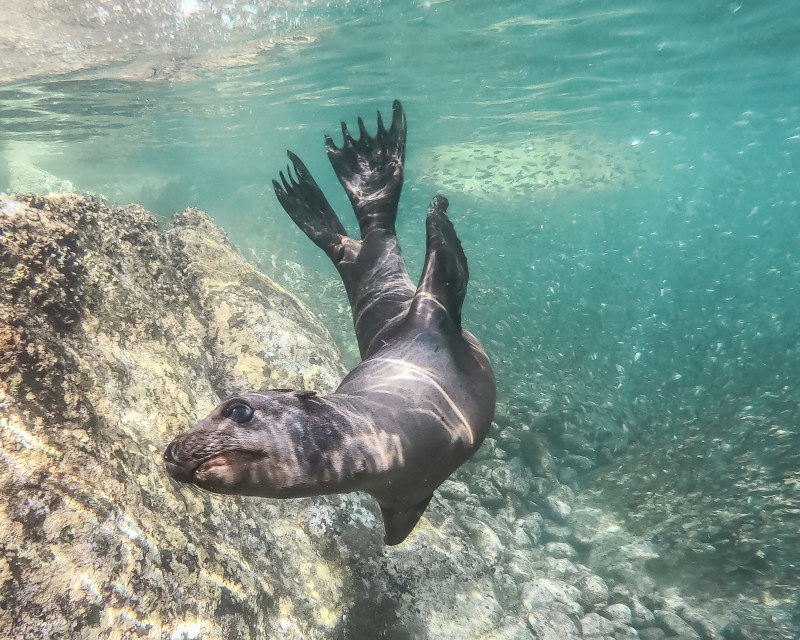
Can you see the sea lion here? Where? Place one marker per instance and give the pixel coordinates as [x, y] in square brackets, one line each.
[422, 399]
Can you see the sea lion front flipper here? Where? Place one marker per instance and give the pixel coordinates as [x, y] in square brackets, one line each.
[398, 524]
[445, 274]
[371, 170]
[305, 203]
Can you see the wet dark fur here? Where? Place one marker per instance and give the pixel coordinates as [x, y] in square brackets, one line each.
[421, 401]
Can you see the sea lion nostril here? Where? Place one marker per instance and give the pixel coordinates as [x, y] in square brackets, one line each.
[169, 453]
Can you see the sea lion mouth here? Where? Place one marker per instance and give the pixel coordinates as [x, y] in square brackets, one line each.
[224, 472]
[215, 468]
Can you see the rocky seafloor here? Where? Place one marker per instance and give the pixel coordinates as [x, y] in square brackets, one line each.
[115, 336]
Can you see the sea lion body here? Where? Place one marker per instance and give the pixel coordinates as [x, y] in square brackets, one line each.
[418, 405]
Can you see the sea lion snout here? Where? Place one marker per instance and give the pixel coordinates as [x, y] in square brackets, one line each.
[187, 452]
[181, 460]
[180, 472]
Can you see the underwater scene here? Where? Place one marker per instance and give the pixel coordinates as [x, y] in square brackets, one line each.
[623, 179]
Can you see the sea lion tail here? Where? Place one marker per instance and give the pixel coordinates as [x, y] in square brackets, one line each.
[371, 170]
[305, 203]
[445, 274]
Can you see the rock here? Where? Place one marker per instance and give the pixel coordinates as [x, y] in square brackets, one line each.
[581, 463]
[454, 490]
[535, 451]
[567, 476]
[507, 590]
[560, 550]
[114, 338]
[620, 594]
[532, 524]
[652, 633]
[487, 493]
[512, 477]
[512, 629]
[551, 625]
[619, 614]
[559, 503]
[559, 510]
[507, 514]
[654, 600]
[263, 334]
[642, 616]
[594, 625]
[545, 594]
[563, 569]
[520, 537]
[576, 444]
[582, 535]
[673, 624]
[700, 623]
[484, 538]
[520, 567]
[487, 450]
[509, 441]
[541, 486]
[594, 591]
[556, 533]
[496, 525]
[734, 631]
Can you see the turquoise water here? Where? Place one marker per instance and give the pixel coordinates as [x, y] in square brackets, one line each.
[646, 288]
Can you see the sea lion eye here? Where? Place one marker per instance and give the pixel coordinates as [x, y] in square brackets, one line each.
[238, 413]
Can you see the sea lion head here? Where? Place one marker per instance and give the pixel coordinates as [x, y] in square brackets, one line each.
[253, 444]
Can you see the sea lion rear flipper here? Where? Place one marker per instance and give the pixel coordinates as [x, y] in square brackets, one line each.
[305, 203]
[398, 524]
[445, 274]
[371, 170]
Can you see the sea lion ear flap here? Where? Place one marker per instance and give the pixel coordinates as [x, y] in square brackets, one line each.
[398, 524]
[304, 394]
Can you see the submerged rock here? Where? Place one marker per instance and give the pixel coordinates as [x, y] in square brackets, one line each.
[619, 613]
[560, 550]
[594, 591]
[551, 594]
[552, 625]
[513, 477]
[642, 616]
[673, 624]
[652, 633]
[559, 504]
[594, 625]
